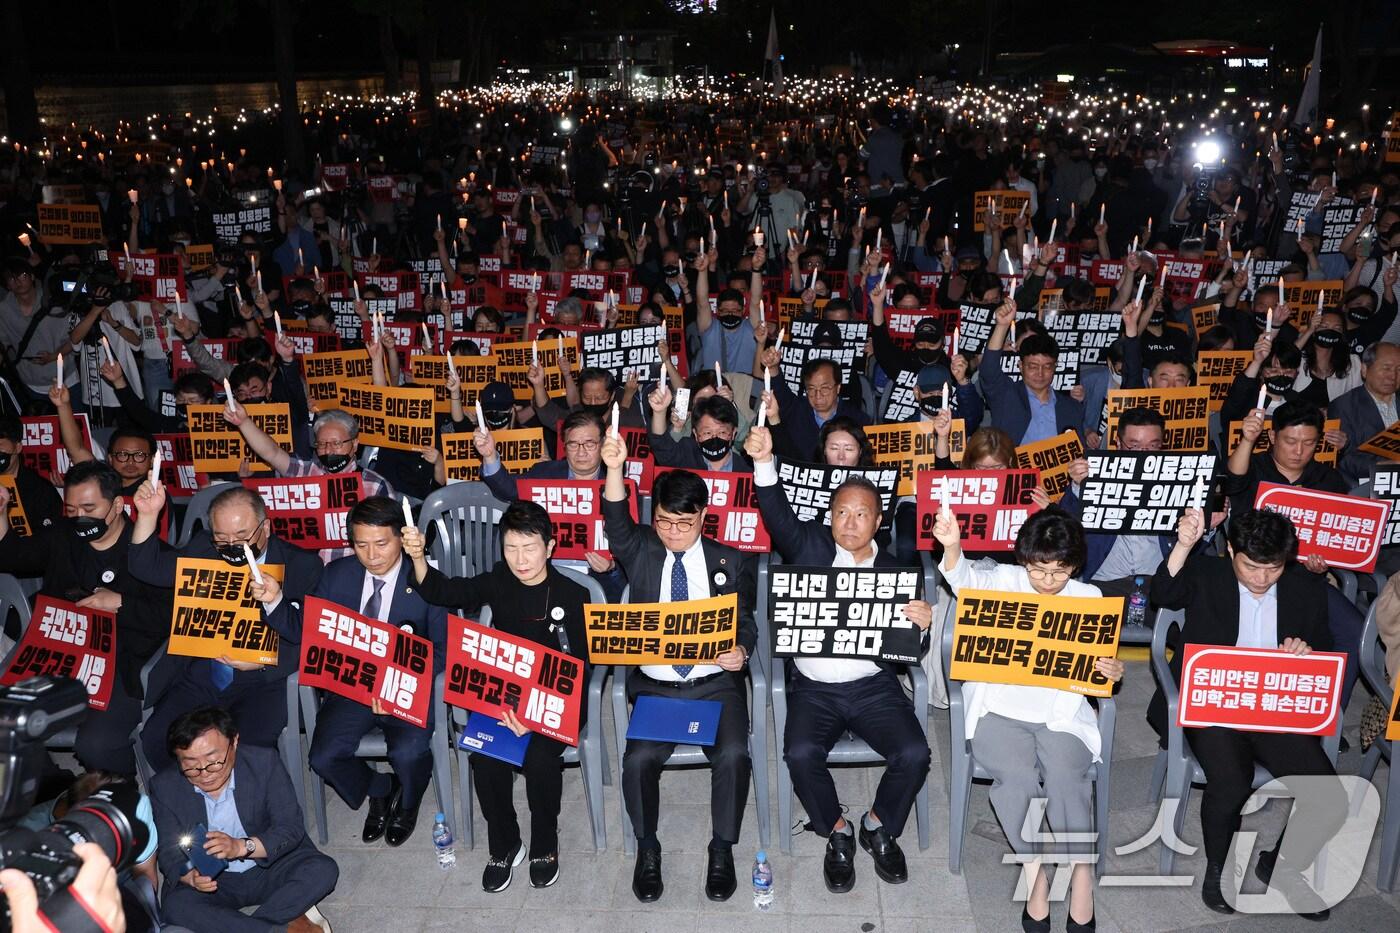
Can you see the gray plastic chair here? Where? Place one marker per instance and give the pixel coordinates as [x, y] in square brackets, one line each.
[965, 768]
[197, 511]
[374, 745]
[465, 516]
[13, 596]
[689, 755]
[1373, 670]
[1177, 767]
[848, 749]
[591, 755]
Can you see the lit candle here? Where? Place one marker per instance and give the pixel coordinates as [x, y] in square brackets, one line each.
[427, 338]
[1102, 209]
[615, 432]
[719, 377]
[228, 394]
[955, 340]
[155, 469]
[1054, 225]
[60, 370]
[252, 564]
[355, 283]
[107, 349]
[945, 396]
[462, 224]
[1142, 283]
[407, 514]
[1263, 395]
[481, 417]
[947, 497]
[132, 195]
[277, 321]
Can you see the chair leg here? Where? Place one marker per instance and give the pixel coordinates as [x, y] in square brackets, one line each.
[784, 792]
[1159, 775]
[289, 746]
[921, 815]
[629, 836]
[591, 766]
[318, 797]
[758, 755]
[1390, 828]
[467, 799]
[1177, 796]
[1371, 760]
[959, 798]
[1102, 783]
[442, 774]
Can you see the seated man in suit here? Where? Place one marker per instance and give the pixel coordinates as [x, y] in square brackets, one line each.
[1369, 408]
[1259, 598]
[830, 696]
[377, 582]
[672, 562]
[253, 694]
[1029, 410]
[710, 447]
[244, 798]
[820, 402]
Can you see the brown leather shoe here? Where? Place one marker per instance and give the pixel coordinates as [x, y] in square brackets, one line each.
[302, 925]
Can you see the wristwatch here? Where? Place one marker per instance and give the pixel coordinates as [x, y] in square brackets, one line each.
[251, 846]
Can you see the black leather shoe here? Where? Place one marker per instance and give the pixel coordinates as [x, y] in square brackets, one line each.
[377, 820]
[401, 824]
[544, 871]
[497, 874]
[1031, 925]
[646, 877]
[839, 866]
[885, 850]
[1074, 926]
[1211, 894]
[719, 875]
[1299, 894]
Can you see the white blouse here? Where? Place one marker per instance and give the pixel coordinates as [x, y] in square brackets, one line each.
[1059, 710]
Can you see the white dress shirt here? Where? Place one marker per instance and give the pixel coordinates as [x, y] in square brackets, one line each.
[1058, 710]
[386, 595]
[697, 579]
[1258, 619]
[840, 670]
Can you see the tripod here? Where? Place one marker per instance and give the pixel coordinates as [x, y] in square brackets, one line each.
[777, 249]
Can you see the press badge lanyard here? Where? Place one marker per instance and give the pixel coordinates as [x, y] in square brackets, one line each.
[557, 627]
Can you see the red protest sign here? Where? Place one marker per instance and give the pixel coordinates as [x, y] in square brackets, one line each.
[177, 464]
[732, 516]
[1345, 530]
[43, 450]
[180, 362]
[67, 641]
[310, 511]
[574, 505]
[1261, 689]
[990, 505]
[363, 659]
[640, 465]
[155, 276]
[488, 669]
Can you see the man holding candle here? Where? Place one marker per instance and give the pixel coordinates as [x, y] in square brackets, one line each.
[1030, 410]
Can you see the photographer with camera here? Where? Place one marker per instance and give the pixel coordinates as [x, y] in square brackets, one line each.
[94, 891]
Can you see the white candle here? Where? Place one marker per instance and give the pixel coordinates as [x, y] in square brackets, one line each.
[879, 233]
[947, 497]
[107, 349]
[719, 376]
[1198, 495]
[155, 469]
[462, 224]
[252, 564]
[228, 394]
[762, 408]
[407, 514]
[1102, 209]
[427, 338]
[778, 344]
[277, 321]
[451, 363]
[1012, 294]
[1054, 224]
[884, 274]
[1263, 394]
[132, 194]
[615, 432]
[535, 352]
[60, 369]
[481, 417]
[355, 283]
[1142, 283]
[767, 380]
[945, 396]
[955, 340]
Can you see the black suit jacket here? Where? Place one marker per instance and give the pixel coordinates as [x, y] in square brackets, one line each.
[153, 561]
[267, 808]
[502, 482]
[641, 555]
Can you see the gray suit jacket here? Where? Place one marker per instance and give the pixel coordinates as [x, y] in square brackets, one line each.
[1361, 421]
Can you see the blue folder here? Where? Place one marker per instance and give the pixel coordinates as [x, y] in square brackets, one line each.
[685, 722]
[487, 736]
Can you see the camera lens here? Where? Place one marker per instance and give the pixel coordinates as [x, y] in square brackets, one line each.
[107, 818]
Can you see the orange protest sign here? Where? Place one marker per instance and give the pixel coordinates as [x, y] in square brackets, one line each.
[216, 615]
[325, 372]
[70, 224]
[513, 360]
[518, 449]
[1186, 410]
[907, 446]
[1204, 317]
[1008, 204]
[692, 632]
[1216, 369]
[1052, 458]
[217, 446]
[1385, 444]
[14, 512]
[200, 255]
[1392, 726]
[398, 417]
[1305, 298]
[1326, 450]
[474, 372]
[1035, 640]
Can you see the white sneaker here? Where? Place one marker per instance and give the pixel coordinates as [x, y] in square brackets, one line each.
[316, 917]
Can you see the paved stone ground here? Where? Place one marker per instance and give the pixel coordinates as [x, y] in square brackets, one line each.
[403, 890]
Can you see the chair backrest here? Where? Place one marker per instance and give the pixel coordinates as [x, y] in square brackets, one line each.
[595, 592]
[1373, 657]
[197, 511]
[1166, 618]
[12, 596]
[465, 516]
[764, 649]
[945, 648]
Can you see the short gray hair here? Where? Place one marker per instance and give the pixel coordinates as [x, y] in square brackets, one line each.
[1368, 356]
[336, 416]
[566, 305]
[235, 495]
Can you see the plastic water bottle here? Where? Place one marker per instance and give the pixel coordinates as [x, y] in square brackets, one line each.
[442, 843]
[1137, 603]
[762, 881]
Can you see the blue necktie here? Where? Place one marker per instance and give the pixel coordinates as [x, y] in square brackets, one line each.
[680, 592]
[374, 602]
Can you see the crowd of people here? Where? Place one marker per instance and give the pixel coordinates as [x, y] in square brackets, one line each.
[865, 226]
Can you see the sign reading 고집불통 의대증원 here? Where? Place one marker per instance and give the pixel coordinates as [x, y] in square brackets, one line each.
[696, 631]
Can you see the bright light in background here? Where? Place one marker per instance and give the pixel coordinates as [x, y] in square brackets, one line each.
[566, 125]
[1207, 151]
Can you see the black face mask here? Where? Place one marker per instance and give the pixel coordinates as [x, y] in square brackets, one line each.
[87, 528]
[5, 458]
[1261, 319]
[931, 405]
[333, 463]
[301, 308]
[234, 554]
[927, 355]
[1279, 384]
[1328, 338]
[596, 409]
[671, 272]
[467, 278]
[1359, 315]
[730, 321]
[1158, 318]
[497, 420]
[715, 449]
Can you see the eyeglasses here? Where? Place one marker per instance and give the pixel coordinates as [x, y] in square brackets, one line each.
[323, 446]
[673, 524]
[1039, 573]
[122, 456]
[214, 767]
[580, 445]
[221, 540]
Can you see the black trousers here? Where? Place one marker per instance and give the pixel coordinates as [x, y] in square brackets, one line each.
[875, 710]
[1228, 756]
[729, 757]
[259, 709]
[341, 723]
[544, 786]
[104, 738]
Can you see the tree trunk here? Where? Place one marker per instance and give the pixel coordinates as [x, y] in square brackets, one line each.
[21, 108]
[284, 60]
[389, 53]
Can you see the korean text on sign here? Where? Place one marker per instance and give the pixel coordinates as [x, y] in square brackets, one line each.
[363, 659]
[68, 641]
[575, 508]
[821, 612]
[218, 447]
[309, 511]
[1346, 531]
[402, 418]
[990, 505]
[488, 669]
[693, 632]
[732, 515]
[216, 614]
[1260, 689]
[1035, 640]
